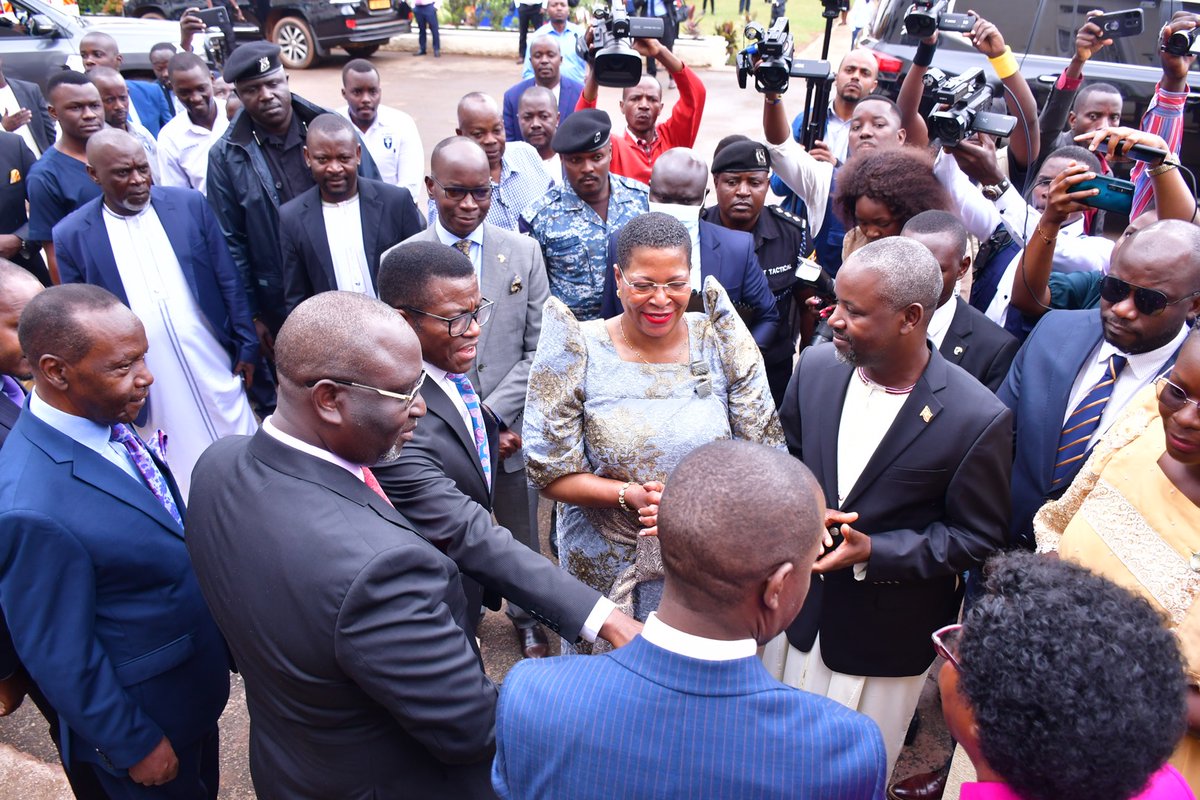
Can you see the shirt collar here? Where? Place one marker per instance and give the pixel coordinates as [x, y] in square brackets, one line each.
[942, 316]
[352, 201]
[108, 212]
[686, 644]
[1144, 365]
[448, 238]
[91, 435]
[271, 430]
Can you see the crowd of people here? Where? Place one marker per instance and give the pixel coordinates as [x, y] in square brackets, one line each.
[280, 399]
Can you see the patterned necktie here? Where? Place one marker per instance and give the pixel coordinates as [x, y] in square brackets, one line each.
[463, 246]
[373, 484]
[472, 402]
[1079, 427]
[140, 455]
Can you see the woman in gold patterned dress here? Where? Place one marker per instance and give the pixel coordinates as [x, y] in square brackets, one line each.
[1132, 514]
[614, 404]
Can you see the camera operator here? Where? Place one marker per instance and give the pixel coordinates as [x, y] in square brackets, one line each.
[644, 140]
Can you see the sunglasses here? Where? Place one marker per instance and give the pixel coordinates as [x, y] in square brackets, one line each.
[457, 193]
[1150, 302]
[945, 642]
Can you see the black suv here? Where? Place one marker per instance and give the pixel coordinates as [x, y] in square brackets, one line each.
[305, 30]
[1041, 34]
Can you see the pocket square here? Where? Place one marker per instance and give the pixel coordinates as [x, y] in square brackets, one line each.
[516, 285]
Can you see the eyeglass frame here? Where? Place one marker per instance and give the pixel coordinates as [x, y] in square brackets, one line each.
[484, 304]
[1133, 288]
[407, 399]
[939, 644]
[485, 192]
[1163, 379]
[666, 287]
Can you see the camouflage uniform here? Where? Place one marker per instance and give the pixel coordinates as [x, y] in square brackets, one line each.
[574, 239]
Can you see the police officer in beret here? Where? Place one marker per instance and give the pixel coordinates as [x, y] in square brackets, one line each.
[257, 166]
[742, 174]
[572, 222]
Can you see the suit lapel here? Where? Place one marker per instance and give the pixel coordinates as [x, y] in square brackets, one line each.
[318, 237]
[833, 385]
[918, 411]
[496, 272]
[957, 340]
[440, 404]
[370, 212]
[110, 276]
[710, 259]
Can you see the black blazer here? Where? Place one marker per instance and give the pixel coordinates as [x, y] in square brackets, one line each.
[934, 498]
[16, 159]
[42, 125]
[438, 485]
[979, 346]
[389, 216]
[348, 626]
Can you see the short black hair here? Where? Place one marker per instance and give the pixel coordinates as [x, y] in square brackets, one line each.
[936, 221]
[67, 77]
[887, 101]
[328, 124]
[407, 270]
[185, 61]
[1095, 88]
[358, 65]
[50, 322]
[654, 230]
[1077, 686]
[1076, 153]
[163, 46]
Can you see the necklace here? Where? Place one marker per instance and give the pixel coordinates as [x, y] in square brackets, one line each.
[674, 358]
[862, 374]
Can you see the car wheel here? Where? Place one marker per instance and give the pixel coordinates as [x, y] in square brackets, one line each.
[361, 50]
[296, 43]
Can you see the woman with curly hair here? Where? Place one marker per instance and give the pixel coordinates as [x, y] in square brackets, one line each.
[880, 190]
[1061, 685]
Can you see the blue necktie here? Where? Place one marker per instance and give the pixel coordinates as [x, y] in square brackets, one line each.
[1079, 427]
[471, 400]
[140, 456]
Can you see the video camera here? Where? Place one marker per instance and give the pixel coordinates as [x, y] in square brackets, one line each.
[926, 16]
[968, 96]
[614, 61]
[1183, 43]
[776, 66]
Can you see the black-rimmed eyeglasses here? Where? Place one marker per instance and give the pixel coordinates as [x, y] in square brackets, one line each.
[459, 325]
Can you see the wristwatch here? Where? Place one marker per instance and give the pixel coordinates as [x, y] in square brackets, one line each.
[993, 191]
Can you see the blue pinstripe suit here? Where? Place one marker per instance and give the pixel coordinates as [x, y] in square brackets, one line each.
[645, 722]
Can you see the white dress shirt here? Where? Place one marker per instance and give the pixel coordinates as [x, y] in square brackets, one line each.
[92, 435]
[1140, 371]
[939, 323]
[183, 150]
[395, 144]
[475, 237]
[9, 104]
[686, 644]
[343, 231]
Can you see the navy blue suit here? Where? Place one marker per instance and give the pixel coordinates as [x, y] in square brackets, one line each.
[568, 95]
[85, 255]
[1037, 389]
[152, 108]
[729, 257]
[104, 608]
[642, 721]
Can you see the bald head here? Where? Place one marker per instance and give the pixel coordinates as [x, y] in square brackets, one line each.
[679, 176]
[100, 49]
[323, 336]
[17, 288]
[110, 143]
[476, 103]
[722, 536]
[648, 84]
[119, 164]
[457, 150]
[114, 94]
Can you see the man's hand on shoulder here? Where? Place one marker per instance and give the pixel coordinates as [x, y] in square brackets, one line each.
[158, 767]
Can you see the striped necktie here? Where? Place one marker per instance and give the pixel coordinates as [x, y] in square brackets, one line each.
[471, 400]
[1079, 427]
[139, 454]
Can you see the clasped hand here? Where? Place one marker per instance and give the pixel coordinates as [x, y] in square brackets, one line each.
[854, 549]
[645, 498]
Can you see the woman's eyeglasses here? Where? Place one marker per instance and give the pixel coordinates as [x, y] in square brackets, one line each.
[945, 642]
[408, 399]
[648, 288]
[1150, 302]
[1172, 396]
[459, 325]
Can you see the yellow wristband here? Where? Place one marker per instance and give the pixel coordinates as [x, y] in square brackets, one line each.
[1005, 64]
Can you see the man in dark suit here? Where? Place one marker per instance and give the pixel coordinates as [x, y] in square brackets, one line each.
[16, 159]
[547, 71]
[149, 107]
[1103, 358]
[962, 334]
[373, 688]
[365, 218]
[98, 589]
[687, 709]
[26, 114]
[511, 274]
[677, 188]
[913, 455]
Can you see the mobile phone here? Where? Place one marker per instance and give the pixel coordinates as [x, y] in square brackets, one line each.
[216, 17]
[1119, 23]
[1138, 152]
[1115, 195]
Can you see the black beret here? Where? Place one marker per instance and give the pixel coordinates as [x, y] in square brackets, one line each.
[743, 156]
[251, 60]
[582, 132]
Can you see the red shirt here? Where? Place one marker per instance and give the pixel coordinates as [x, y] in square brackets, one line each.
[628, 157]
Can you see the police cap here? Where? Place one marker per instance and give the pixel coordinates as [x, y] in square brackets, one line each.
[742, 156]
[582, 132]
[252, 60]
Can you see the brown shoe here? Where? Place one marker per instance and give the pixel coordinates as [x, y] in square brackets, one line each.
[533, 642]
[925, 786]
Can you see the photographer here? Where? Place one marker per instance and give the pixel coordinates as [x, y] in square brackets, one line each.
[644, 140]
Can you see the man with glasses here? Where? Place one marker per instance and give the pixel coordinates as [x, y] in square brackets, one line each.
[1079, 369]
[333, 235]
[508, 269]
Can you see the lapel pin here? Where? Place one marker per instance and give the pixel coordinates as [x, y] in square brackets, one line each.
[516, 283]
[926, 414]
[501, 257]
[14, 176]
[958, 350]
[1194, 562]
